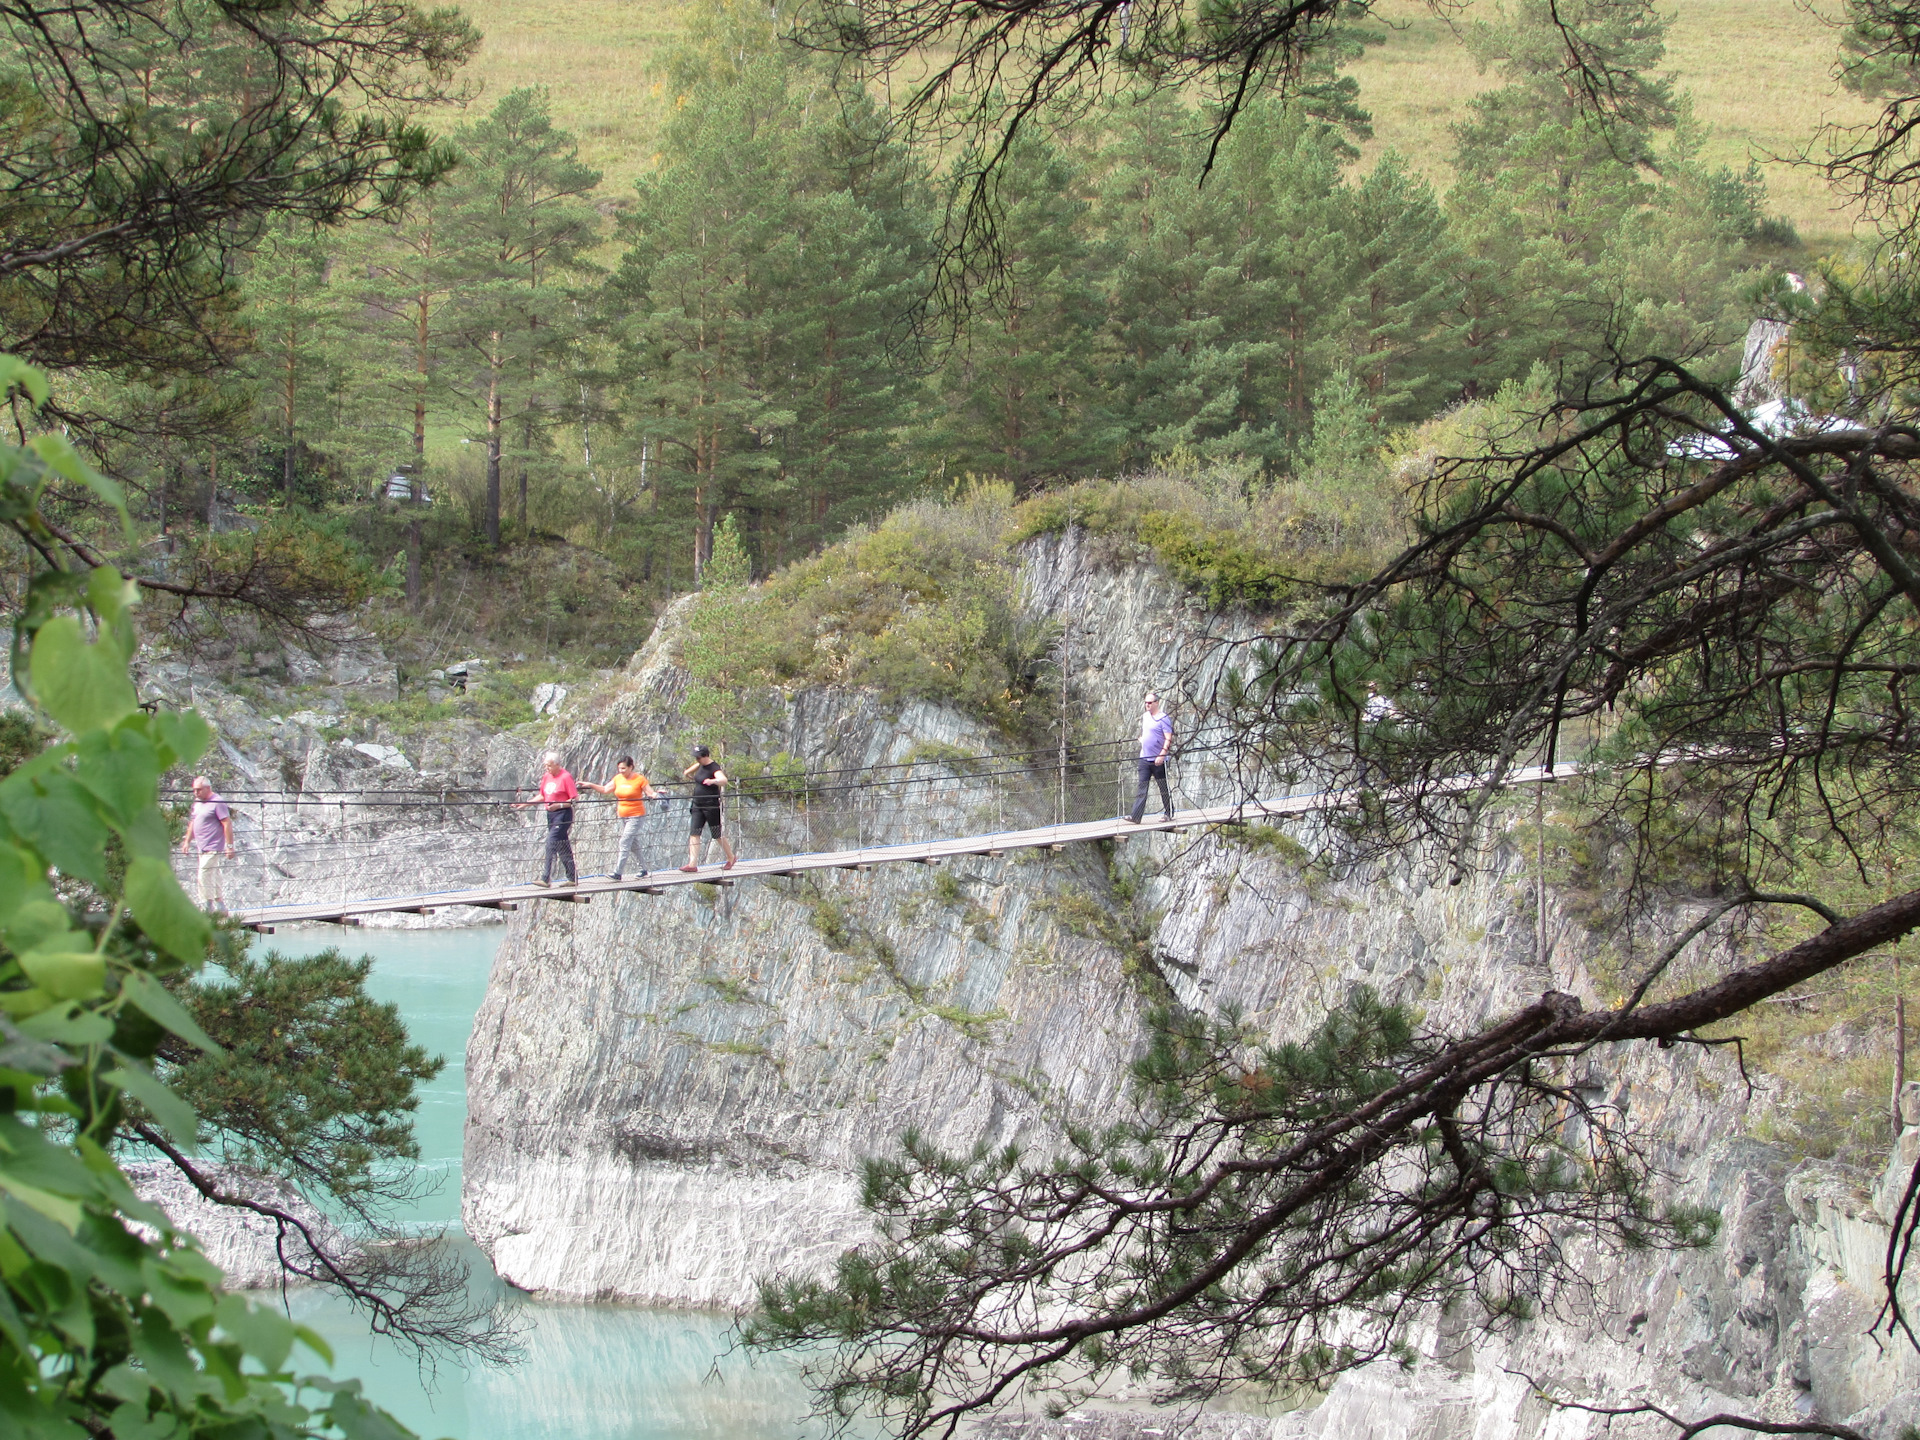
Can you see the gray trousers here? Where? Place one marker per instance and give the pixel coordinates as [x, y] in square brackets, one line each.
[1150, 771]
[630, 839]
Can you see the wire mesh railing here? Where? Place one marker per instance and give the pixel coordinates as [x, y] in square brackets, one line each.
[316, 845]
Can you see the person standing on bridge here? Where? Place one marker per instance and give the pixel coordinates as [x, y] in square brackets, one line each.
[557, 794]
[709, 782]
[210, 831]
[631, 792]
[1156, 739]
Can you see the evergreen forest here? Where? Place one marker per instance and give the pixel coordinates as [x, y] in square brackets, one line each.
[514, 373]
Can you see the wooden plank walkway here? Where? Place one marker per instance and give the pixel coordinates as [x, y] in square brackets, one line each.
[931, 852]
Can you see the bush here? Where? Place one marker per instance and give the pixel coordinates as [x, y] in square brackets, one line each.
[922, 606]
[1226, 538]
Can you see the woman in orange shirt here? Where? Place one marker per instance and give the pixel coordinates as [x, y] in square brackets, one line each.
[631, 791]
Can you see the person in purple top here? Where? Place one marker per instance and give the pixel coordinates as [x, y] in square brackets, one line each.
[209, 831]
[1156, 739]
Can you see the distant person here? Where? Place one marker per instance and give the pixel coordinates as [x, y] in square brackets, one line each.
[1377, 710]
[1156, 739]
[557, 794]
[631, 792]
[709, 782]
[210, 831]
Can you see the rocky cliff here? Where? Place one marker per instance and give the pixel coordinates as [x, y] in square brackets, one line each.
[669, 1096]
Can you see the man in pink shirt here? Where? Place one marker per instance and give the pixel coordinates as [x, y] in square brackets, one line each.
[557, 794]
[210, 831]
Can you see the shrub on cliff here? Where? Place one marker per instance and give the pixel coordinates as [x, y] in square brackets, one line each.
[922, 606]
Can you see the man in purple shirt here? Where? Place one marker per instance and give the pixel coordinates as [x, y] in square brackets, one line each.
[209, 831]
[1156, 739]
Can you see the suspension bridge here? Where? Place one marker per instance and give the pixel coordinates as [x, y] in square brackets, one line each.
[989, 844]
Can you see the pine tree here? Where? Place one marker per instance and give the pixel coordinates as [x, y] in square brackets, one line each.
[1229, 298]
[293, 317]
[692, 291]
[765, 305]
[1019, 384]
[1577, 237]
[1400, 289]
[518, 225]
[406, 271]
[1180, 286]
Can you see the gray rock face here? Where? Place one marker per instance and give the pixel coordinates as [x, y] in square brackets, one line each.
[247, 1246]
[669, 1097]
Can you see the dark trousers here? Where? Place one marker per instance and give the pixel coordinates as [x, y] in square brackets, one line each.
[1150, 771]
[560, 843]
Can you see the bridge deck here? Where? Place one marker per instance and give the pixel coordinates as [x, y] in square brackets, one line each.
[931, 852]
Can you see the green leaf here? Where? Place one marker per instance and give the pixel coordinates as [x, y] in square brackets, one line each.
[121, 767]
[357, 1420]
[22, 883]
[184, 1299]
[314, 1341]
[183, 732]
[66, 974]
[158, 1345]
[17, 374]
[63, 1212]
[163, 910]
[175, 1115]
[130, 1422]
[262, 1333]
[110, 595]
[59, 817]
[82, 686]
[67, 1024]
[59, 456]
[144, 991]
[146, 835]
[34, 923]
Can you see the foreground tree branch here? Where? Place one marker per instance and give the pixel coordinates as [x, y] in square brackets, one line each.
[1277, 1214]
[409, 1290]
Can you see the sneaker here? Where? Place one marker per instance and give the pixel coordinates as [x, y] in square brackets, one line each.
[727, 866]
[1130, 819]
[1168, 816]
[688, 869]
[643, 875]
[618, 876]
[543, 884]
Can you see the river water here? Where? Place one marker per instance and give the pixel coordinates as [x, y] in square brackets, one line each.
[590, 1372]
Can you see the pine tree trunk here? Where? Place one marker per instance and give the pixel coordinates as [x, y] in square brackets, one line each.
[286, 400]
[422, 307]
[413, 562]
[526, 448]
[213, 488]
[493, 441]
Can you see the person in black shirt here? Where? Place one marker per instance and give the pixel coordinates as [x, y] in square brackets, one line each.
[709, 781]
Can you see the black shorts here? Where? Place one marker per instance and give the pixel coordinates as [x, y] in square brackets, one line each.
[709, 820]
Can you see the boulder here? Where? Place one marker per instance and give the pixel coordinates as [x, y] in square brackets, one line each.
[244, 1244]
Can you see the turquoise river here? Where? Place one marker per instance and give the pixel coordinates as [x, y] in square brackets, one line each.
[589, 1372]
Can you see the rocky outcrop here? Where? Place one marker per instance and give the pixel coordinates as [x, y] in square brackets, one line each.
[326, 806]
[670, 1096]
[247, 1246]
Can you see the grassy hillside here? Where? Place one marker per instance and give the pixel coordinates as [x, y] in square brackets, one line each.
[1758, 70]
[594, 57]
